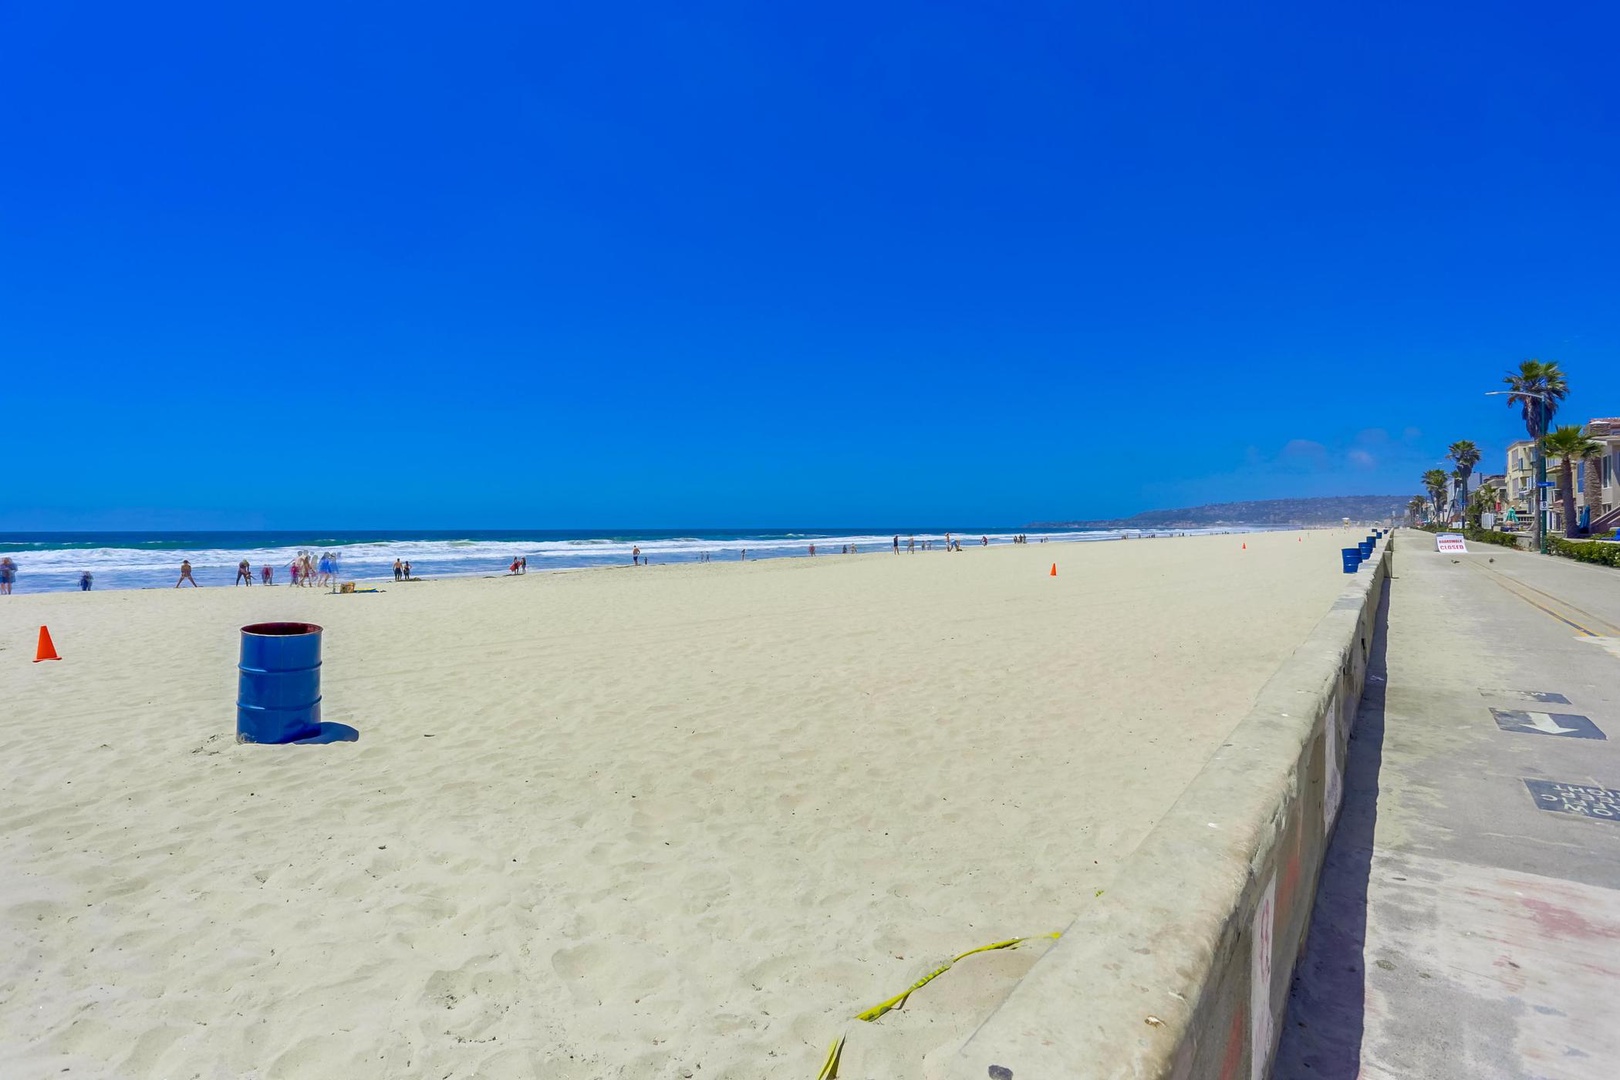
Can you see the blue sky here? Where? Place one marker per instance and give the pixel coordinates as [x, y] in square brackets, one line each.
[549, 265]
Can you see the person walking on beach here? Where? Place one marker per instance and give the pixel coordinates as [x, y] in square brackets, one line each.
[897, 543]
[185, 574]
[8, 574]
[84, 581]
[244, 572]
[911, 546]
[635, 555]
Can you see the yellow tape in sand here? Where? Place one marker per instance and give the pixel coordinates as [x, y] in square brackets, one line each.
[829, 1068]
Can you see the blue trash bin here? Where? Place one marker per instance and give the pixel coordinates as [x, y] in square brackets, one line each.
[278, 694]
[1352, 559]
[1366, 549]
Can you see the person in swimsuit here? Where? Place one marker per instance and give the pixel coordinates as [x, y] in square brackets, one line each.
[635, 555]
[897, 545]
[8, 574]
[185, 574]
[84, 581]
[267, 576]
[408, 572]
[244, 572]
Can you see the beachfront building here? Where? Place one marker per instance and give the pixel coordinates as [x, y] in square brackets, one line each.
[1519, 481]
[1604, 499]
[1499, 483]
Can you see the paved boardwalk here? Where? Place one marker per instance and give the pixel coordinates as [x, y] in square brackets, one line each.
[1468, 919]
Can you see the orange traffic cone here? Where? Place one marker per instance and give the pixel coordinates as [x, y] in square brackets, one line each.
[46, 650]
[1054, 570]
[1245, 545]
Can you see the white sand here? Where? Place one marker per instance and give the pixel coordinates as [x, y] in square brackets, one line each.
[669, 820]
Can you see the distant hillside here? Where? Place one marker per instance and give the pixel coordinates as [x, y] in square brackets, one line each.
[1329, 511]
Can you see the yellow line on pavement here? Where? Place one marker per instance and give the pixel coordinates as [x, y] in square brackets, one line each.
[1566, 616]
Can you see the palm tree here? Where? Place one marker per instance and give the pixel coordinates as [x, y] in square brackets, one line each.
[1416, 506]
[1537, 378]
[1434, 481]
[1538, 387]
[1570, 443]
[1482, 501]
[1466, 455]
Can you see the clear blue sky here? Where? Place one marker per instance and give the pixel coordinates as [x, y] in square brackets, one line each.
[405, 264]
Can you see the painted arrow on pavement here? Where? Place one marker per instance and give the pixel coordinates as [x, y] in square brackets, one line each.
[1566, 725]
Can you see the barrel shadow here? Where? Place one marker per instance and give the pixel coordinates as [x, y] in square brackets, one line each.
[331, 733]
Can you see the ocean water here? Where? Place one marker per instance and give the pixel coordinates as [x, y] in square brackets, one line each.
[52, 562]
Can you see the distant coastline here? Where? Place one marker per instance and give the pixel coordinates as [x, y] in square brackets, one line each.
[1331, 510]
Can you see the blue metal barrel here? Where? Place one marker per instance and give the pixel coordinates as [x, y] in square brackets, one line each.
[278, 695]
[1352, 559]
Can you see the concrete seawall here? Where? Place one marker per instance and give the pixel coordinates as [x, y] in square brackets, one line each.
[1181, 969]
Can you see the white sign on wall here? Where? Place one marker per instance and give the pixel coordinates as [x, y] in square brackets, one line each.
[1260, 980]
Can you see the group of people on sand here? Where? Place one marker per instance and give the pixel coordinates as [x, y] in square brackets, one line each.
[402, 571]
[306, 569]
[520, 565]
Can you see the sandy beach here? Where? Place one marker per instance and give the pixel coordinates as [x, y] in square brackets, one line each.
[671, 821]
